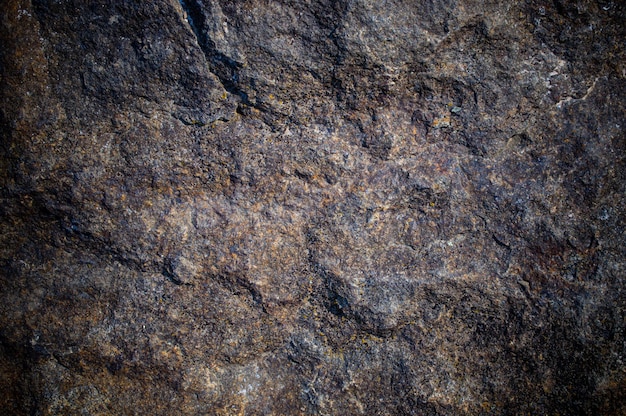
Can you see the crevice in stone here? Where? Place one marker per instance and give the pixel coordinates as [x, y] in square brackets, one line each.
[239, 285]
[224, 67]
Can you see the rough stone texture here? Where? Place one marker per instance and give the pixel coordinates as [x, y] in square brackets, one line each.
[313, 207]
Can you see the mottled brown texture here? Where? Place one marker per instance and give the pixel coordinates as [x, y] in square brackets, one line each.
[312, 207]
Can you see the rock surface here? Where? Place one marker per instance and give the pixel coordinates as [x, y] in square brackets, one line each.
[313, 207]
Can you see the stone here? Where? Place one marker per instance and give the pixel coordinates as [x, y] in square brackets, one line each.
[320, 207]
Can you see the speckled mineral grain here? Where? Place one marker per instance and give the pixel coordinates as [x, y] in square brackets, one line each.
[333, 207]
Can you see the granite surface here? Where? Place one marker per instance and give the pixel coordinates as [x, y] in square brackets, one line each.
[333, 207]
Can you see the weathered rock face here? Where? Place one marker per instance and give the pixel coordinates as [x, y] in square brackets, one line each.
[313, 207]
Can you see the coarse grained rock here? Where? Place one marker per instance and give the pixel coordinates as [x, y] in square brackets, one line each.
[312, 207]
